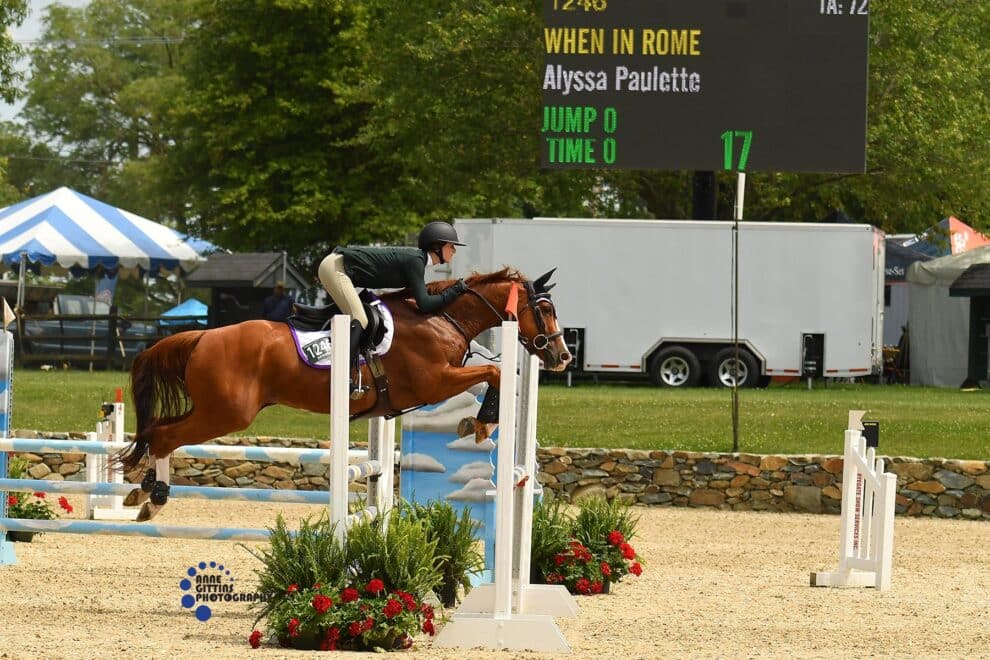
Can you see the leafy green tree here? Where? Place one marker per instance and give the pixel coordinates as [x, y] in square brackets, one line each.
[105, 79]
[12, 12]
[267, 150]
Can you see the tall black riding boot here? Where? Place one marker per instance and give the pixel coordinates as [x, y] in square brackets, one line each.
[356, 331]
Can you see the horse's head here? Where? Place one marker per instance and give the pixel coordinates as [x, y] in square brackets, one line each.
[538, 329]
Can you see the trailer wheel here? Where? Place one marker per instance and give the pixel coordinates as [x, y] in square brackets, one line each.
[726, 370]
[675, 366]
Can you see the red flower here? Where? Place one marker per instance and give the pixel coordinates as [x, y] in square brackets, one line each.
[554, 578]
[317, 585]
[636, 569]
[11, 500]
[293, 627]
[349, 595]
[596, 587]
[355, 629]
[321, 603]
[559, 560]
[329, 642]
[426, 610]
[375, 586]
[392, 608]
[64, 503]
[407, 599]
[606, 569]
[615, 537]
[428, 627]
[583, 585]
[255, 639]
[627, 551]
[292, 588]
[368, 624]
[40, 496]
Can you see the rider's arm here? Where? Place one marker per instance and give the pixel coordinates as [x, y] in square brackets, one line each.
[424, 300]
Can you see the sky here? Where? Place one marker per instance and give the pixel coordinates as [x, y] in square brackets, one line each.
[30, 30]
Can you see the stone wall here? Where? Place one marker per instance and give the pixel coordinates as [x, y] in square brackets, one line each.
[747, 482]
[739, 482]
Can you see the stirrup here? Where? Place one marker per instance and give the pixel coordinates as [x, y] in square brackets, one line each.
[357, 389]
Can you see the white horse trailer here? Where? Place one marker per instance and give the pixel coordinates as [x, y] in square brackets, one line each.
[656, 297]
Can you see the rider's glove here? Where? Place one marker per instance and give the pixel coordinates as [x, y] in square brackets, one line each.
[459, 286]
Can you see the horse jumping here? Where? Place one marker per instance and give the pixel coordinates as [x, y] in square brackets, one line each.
[199, 385]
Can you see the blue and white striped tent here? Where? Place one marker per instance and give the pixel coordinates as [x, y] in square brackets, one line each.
[67, 231]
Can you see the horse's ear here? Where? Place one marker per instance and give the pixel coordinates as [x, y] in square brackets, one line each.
[541, 285]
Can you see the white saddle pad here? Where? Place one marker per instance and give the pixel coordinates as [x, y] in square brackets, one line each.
[314, 347]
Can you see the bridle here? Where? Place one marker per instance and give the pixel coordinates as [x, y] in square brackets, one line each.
[540, 341]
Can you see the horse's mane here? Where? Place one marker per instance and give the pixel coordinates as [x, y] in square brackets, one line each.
[474, 279]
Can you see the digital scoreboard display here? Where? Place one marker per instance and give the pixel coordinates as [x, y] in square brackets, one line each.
[772, 85]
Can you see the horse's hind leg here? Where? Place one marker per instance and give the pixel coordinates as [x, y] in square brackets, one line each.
[195, 428]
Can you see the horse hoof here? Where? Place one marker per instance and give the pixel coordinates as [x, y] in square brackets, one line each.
[147, 512]
[135, 497]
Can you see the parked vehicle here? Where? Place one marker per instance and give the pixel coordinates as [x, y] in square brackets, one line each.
[655, 297]
[78, 329]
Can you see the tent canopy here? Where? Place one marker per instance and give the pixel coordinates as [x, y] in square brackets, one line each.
[69, 231]
[898, 259]
[950, 236]
[191, 307]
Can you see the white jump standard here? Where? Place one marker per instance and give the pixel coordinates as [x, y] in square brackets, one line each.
[511, 613]
[866, 541]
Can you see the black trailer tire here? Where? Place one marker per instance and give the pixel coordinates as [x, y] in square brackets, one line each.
[675, 366]
[725, 370]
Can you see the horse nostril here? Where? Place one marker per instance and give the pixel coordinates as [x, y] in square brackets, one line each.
[565, 357]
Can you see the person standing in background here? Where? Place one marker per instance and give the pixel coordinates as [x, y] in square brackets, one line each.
[278, 305]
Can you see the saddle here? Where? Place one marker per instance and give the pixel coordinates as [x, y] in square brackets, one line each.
[310, 318]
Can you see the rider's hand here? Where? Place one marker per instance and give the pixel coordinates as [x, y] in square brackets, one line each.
[459, 286]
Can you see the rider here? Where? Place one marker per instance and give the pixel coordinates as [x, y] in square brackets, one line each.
[388, 268]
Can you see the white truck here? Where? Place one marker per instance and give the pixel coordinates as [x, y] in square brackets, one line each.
[655, 297]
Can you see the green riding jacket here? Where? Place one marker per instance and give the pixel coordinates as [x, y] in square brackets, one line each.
[393, 268]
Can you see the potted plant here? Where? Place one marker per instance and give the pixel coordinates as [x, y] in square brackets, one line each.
[586, 552]
[365, 594]
[29, 506]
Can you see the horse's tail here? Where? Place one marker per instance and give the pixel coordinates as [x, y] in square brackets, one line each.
[158, 382]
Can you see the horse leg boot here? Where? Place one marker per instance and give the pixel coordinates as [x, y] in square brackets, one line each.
[487, 420]
[159, 491]
[357, 390]
[140, 495]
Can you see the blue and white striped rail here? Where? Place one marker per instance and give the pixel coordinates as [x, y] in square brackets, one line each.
[149, 529]
[178, 492]
[222, 452]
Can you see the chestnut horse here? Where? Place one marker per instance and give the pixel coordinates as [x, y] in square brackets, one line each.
[198, 385]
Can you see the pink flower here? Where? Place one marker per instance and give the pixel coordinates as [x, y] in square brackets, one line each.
[255, 639]
[349, 595]
[615, 537]
[375, 586]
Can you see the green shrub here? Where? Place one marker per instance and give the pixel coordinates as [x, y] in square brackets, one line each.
[395, 549]
[457, 545]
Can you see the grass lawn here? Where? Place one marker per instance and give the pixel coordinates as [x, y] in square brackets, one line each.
[913, 421]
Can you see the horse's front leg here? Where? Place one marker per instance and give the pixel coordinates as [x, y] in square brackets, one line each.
[458, 379]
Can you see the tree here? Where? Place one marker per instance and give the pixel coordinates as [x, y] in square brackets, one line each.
[267, 148]
[105, 80]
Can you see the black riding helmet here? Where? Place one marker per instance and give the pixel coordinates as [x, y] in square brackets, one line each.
[437, 232]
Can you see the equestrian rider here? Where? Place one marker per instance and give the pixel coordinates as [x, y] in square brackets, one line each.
[388, 268]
